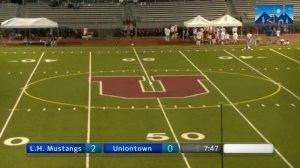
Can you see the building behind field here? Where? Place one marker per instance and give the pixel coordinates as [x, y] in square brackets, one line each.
[107, 18]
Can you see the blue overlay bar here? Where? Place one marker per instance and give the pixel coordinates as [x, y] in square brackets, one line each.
[62, 148]
[140, 148]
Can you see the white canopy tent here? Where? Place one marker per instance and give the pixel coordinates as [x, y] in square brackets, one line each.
[29, 23]
[198, 21]
[227, 21]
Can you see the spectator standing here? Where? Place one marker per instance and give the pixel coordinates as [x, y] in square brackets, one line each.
[234, 29]
[269, 35]
[53, 41]
[218, 36]
[124, 30]
[202, 33]
[213, 38]
[199, 36]
[235, 37]
[173, 32]
[195, 30]
[167, 34]
[187, 34]
[278, 34]
[209, 37]
[253, 40]
[131, 29]
[227, 37]
[249, 37]
[223, 29]
[223, 37]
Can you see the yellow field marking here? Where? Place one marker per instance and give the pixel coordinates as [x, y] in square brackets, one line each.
[171, 107]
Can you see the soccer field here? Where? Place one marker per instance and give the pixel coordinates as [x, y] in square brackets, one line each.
[154, 94]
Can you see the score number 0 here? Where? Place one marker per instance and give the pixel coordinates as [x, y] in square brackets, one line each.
[191, 136]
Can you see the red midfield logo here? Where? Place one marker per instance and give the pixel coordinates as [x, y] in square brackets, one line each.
[131, 86]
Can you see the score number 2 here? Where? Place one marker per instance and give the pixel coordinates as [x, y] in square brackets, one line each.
[93, 148]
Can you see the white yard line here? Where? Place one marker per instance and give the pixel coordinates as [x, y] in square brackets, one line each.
[285, 56]
[20, 96]
[172, 131]
[286, 89]
[239, 112]
[163, 111]
[145, 72]
[88, 136]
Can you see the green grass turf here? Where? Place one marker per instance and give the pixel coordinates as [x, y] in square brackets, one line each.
[54, 107]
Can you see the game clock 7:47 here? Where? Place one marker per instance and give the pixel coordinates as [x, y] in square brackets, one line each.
[201, 148]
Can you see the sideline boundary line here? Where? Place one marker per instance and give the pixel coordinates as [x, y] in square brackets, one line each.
[285, 56]
[163, 111]
[88, 137]
[241, 114]
[20, 96]
[286, 89]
